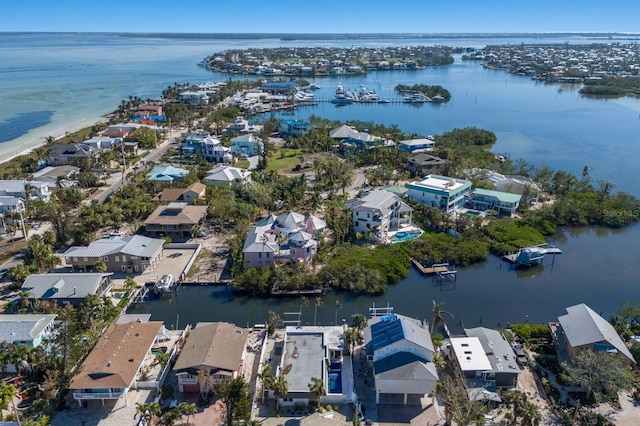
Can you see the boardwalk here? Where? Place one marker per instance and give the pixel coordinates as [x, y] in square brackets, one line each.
[430, 270]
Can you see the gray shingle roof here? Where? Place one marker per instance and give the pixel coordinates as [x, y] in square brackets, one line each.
[378, 200]
[405, 366]
[62, 286]
[216, 345]
[23, 327]
[134, 245]
[582, 326]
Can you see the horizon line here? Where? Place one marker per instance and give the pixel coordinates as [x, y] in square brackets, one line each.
[505, 33]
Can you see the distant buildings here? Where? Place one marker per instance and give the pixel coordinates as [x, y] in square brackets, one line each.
[442, 192]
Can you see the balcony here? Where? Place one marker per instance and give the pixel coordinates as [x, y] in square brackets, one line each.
[103, 395]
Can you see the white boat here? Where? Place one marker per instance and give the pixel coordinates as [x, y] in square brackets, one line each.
[417, 98]
[313, 86]
[164, 283]
[366, 95]
[530, 255]
[343, 97]
[384, 101]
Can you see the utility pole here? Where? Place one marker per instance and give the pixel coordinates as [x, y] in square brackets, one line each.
[124, 162]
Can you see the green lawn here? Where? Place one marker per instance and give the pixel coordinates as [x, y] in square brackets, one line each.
[242, 164]
[284, 158]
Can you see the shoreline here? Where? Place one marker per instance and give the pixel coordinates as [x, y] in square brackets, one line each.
[10, 151]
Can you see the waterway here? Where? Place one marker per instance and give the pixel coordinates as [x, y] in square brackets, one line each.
[52, 83]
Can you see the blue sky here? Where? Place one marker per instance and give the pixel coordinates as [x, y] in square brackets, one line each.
[327, 16]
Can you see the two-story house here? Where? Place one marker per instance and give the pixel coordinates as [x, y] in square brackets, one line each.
[377, 212]
[442, 192]
[174, 220]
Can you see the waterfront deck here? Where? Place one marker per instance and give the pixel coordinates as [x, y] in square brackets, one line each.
[430, 270]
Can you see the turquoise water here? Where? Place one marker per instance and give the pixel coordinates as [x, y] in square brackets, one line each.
[335, 379]
[402, 236]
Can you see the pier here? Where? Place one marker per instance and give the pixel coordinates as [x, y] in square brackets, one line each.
[430, 270]
[538, 253]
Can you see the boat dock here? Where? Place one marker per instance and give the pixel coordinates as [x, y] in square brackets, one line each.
[513, 257]
[439, 270]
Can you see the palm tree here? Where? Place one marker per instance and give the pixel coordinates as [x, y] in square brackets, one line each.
[186, 409]
[316, 387]
[147, 411]
[280, 388]
[304, 301]
[338, 306]
[315, 311]
[438, 315]
[266, 379]
[206, 381]
[195, 231]
[352, 338]
[7, 392]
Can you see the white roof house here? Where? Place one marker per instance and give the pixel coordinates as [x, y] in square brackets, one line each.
[443, 192]
[221, 175]
[28, 329]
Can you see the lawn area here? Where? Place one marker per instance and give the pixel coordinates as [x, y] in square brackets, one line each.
[8, 249]
[242, 164]
[285, 158]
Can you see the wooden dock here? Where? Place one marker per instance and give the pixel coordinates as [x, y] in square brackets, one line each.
[430, 270]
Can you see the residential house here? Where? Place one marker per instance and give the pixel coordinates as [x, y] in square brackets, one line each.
[225, 175]
[417, 145]
[73, 154]
[9, 205]
[287, 238]
[581, 329]
[503, 368]
[195, 191]
[247, 145]
[442, 192]
[57, 177]
[102, 142]
[311, 351]
[502, 202]
[67, 288]
[377, 212]
[343, 132]
[207, 148]
[240, 125]
[167, 174]
[147, 110]
[293, 127]
[112, 368]
[213, 353]
[175, 220]
[33, 190]
[400, 351]
[424, 164]
[26, 329]
[134, 254]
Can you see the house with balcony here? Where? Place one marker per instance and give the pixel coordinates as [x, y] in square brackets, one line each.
[289, 238]
[65, 289]
[216, 350]
[312, 351]
[501, 202]
[293, 127]
[583, 329]
[247, 145]
[417, 145]
[112, 367]
[57, 177]
[175, 220]
[377, 212]
[400, 352]
[26, 329]
[8, 206]
[32, 190]
[133, 255]
[195, 191]
[442, 192]
[207, 148]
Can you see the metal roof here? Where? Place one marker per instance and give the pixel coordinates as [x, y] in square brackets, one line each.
[63, 286]
[23, 327]
[134, 245]
[505, 197]
[404, 366]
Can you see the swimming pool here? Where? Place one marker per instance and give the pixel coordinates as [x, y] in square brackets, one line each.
[403, 236]
[335, 378]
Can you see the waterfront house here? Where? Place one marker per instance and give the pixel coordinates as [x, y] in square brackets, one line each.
[133, 255]
[225, 175]
[309, 352]
[442, 192]
[111, 369]
[424, 164]
[175, 220]
[73, 154]
[65, 289]
[400, 351]
[485, 359]
[32, 190]
[26, 329]
[583, 329]
[102, 143]
[57, 177]
[287, 238]
[501, 202]
[146, 110]
[247, 145]
[213, 353]
[377, 212]
[195, 191]
[167, 174]
[293, 127]
[417, 145]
